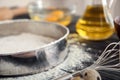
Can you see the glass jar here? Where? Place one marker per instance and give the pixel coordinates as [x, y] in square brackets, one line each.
[96, 23]
[59, 11]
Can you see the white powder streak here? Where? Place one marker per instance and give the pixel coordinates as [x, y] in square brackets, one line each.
[22, 42]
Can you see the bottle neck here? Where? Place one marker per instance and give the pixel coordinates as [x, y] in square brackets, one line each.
[97, 2]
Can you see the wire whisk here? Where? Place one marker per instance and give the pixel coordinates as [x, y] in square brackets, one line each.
[109, 59]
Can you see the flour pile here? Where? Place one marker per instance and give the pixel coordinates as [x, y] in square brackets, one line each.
[23, 42]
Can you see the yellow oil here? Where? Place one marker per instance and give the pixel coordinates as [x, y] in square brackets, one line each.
[93, 25]
[61, 16]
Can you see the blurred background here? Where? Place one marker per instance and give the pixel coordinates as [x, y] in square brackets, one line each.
[79, 3]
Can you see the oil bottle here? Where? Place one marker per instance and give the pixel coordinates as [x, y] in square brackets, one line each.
[96, 22]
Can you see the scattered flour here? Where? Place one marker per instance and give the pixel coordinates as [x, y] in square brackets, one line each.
[22, 42]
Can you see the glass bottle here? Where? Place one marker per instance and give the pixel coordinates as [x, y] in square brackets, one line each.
[96, 23]
[59, 11]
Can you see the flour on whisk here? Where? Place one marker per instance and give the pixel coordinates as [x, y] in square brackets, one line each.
[23, 42]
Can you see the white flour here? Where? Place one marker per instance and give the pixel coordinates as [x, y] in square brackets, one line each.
[23, 42]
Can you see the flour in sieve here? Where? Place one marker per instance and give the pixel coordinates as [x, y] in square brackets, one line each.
[23, 42]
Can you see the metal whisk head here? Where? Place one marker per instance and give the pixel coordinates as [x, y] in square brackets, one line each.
[109, 59]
